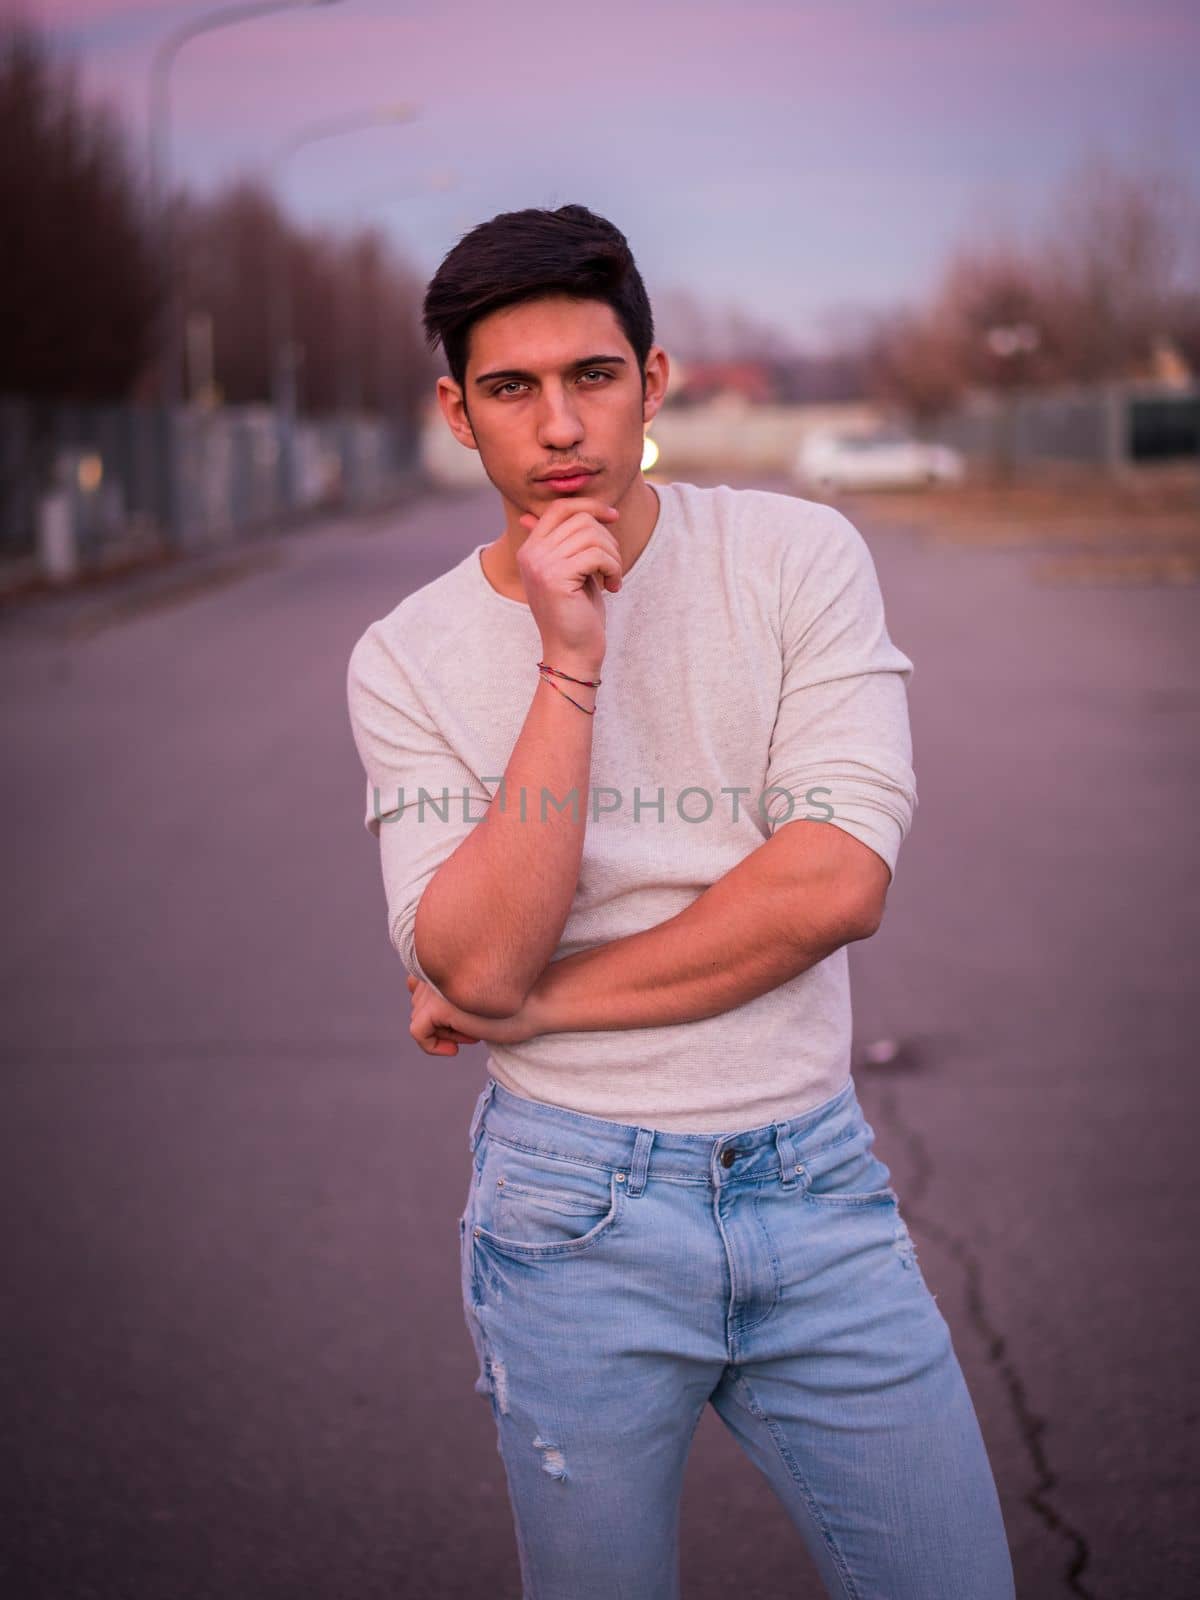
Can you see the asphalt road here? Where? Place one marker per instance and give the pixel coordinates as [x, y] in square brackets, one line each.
[234, 1362]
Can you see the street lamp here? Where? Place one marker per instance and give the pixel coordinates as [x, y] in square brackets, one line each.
[159, 153]
[439, 180]
[284, 345]
[1011, 339]
[435, 181]
[1009, 342]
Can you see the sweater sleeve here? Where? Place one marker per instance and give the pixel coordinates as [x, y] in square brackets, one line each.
[841, 743]
[422, 798]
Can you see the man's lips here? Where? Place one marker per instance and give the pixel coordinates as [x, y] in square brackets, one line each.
[567, 480]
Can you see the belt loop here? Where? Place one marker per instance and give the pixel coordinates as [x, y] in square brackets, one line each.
[481, 1106]
[788, 1165]
[641, 1160]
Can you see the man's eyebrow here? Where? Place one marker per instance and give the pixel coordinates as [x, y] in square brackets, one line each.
[588, 361]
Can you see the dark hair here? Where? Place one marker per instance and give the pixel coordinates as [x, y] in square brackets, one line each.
[520, 255]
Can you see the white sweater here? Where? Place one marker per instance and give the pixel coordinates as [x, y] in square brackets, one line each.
[746, 651]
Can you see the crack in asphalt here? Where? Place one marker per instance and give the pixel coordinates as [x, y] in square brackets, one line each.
[1030, 1426]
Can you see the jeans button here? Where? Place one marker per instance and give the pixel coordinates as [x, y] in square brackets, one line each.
[728, 1157]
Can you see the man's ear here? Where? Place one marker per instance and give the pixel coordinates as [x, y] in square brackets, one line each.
[454, 409]
[658, 373]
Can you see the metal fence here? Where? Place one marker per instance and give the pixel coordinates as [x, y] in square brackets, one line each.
[1111, 426]
[98, 474]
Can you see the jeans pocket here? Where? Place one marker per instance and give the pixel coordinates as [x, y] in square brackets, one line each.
[531, 1204]
[848, 1172]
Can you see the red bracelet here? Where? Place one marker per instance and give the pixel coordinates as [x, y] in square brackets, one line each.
[591, 683]
[544, 667]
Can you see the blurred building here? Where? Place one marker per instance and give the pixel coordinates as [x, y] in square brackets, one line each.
[699, 381]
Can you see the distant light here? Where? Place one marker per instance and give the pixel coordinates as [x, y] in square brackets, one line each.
[649, 454]
[1008, 340]
[89, 473]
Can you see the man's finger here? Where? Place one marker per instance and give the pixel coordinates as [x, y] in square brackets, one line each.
[428, 1039]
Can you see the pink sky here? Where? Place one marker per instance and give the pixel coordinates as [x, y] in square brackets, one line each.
[792, 158]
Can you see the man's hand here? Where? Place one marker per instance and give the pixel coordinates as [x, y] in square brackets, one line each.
[439, 1028]
[567, 562]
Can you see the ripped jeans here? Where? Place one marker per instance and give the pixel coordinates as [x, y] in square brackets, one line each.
[617, 1279]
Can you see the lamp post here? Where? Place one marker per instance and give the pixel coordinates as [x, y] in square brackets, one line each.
[440, 180]
[159, 162]
[1009, 343]
[282, 341]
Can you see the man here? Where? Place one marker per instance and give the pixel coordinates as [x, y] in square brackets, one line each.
[584, 745]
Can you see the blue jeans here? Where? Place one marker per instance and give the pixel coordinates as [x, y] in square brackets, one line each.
[617, 1279]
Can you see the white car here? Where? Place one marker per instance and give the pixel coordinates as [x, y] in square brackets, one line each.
[886, 458]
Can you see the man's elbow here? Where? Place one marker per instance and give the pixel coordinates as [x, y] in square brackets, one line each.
[861, 911]
[482, 993]
[480, 998]
[855, 902]
[863, 922]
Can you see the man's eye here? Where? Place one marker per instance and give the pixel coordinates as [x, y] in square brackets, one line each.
[516, 383]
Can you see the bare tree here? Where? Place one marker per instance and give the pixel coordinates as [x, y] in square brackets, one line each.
[992, 310]
[1120, 257]
[912, 365]
[699, 330]
[231, 249]
[383, 337]
[1113, 269]
[79, 287]
[353, 305]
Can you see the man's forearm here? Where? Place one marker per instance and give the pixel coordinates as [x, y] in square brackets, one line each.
[492, 915]
[759, 925]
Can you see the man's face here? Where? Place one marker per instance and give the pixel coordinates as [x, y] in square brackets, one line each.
[553, 385]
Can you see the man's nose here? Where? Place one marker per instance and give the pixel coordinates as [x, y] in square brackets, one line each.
[559, 427]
